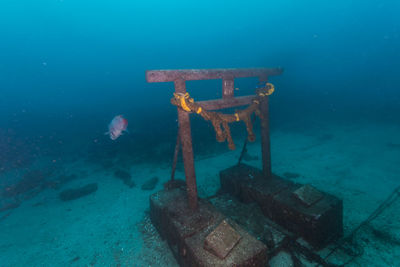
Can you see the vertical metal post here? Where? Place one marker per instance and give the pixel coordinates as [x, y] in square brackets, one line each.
[227, 87]
[265, 137]
[176, 152]
[187, 149]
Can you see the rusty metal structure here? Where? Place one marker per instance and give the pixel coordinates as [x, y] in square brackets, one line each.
[256, 214]
[228, 76]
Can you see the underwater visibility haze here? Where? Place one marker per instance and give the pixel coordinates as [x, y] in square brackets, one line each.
[71, 71]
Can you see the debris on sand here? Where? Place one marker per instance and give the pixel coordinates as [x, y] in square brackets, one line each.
[71, 194]
[125, 177]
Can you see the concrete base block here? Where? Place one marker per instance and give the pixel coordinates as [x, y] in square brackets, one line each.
[303, 210]
[186, 232]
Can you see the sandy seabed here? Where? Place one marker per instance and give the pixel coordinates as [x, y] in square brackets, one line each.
[357, 162]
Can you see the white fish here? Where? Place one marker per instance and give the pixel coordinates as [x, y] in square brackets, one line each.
[117, 126]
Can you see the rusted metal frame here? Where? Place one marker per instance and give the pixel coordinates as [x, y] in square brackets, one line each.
[187, 148]
[265, 136]
[176, 153]
[179, 78]
[209, 74]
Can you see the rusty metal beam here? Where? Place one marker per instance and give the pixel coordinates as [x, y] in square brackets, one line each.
[153, 76]
[226, 103]
[265, 137]
[187, 148]
[228, 87]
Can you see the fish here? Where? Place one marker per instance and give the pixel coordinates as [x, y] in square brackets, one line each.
[117, 126]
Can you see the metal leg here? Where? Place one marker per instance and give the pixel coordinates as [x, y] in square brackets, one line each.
[187, 149]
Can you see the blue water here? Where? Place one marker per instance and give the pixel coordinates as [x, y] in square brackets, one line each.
[67, 67]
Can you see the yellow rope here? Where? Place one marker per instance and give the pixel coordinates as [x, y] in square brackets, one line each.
[267, 90]
[221, 121]
[182, 99]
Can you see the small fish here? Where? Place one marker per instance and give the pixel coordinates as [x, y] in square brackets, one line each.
[118, 125]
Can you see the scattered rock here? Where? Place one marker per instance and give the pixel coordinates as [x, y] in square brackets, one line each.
[71, 194]
[75, 259]
[125, 177]
[291, 175]
[150, 184]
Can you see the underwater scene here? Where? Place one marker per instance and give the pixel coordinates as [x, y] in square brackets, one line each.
[199, 133]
